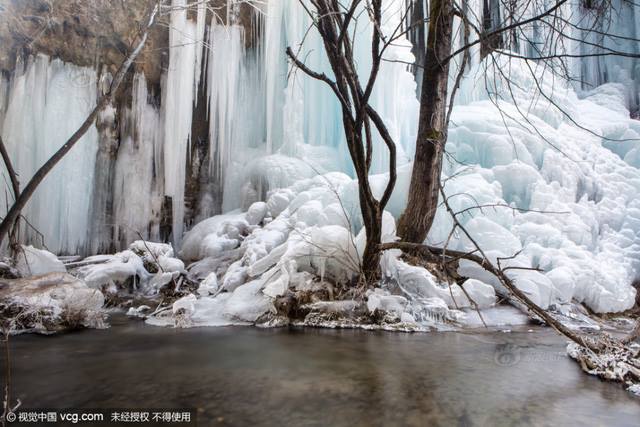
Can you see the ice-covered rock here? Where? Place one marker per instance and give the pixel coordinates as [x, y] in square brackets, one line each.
[113, 269]
[151, 250]
[248, 303]
[256, 213]
[214, 236]
[185, 305]
[481, 293]
[161, 279]
[209, 286]
[36, 262]
[183, 310]
[50, 302]
[169, 264]
[417, 282]
[140, 311]
[381, 301]
[278, 201]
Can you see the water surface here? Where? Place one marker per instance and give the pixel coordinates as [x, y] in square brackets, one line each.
[299, 377]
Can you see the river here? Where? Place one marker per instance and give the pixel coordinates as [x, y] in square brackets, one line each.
[298, 377]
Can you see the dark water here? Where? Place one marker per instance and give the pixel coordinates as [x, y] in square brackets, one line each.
[248, 376]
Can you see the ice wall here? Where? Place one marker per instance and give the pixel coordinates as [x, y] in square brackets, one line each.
[261, 106]
[309, 112]
[46, 102]
[138, 170]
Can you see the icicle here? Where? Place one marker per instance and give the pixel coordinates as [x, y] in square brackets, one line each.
[178, 99]
[225, 63]
[137, 191]
[260, 106]
[200, 44]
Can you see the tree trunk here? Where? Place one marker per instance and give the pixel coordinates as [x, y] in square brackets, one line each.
[371, 255]
[415, 222]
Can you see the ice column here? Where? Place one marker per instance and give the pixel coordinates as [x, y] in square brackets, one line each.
[185, 43]
[138, 183]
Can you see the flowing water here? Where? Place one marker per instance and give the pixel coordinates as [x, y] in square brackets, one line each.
[295, 377]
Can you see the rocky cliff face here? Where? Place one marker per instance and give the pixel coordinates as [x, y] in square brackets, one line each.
[93, 33]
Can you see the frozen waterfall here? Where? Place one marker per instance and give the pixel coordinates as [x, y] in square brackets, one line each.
[142, 171]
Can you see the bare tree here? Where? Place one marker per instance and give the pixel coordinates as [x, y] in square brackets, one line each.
[334, 22]
[436, 103]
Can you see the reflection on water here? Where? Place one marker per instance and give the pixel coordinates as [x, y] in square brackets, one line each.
[249, 376]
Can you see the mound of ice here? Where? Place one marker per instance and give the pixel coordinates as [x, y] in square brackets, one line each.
[560, 194]
[214, 236]
[554, 203]
[267, 173]
[106, 270]
[36, 262]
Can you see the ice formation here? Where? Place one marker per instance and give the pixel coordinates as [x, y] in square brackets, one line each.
[178, 102]
[131, 267]
[137, 183]
[554, 164]
[36, 262]
[46, 102]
